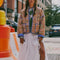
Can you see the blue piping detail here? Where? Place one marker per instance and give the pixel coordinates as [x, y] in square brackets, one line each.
[25, 26]
[41, 36]
[35, 27]
[29, 21]
[42, 16]
[32, 24]
[19, 35]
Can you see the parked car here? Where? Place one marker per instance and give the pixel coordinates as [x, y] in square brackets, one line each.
[12, 24]
[55, 30]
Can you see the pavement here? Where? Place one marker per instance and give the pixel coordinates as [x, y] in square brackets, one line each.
[52, 47]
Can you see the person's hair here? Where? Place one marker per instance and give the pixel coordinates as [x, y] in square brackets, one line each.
[27, 5]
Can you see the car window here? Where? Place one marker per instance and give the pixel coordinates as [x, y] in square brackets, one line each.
[56, 26]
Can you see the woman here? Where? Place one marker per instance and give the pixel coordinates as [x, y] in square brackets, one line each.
[31, 31]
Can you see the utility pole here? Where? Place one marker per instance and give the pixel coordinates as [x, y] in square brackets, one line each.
[16, 14]
[5, 6]
[22, 4]
[17, 6]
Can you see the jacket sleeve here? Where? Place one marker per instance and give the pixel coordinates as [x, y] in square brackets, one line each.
[19, 27]
[42, 25]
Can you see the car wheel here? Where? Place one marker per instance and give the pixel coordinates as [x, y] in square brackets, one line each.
[50, 35]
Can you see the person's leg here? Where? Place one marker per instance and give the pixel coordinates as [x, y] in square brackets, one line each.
[42, 51]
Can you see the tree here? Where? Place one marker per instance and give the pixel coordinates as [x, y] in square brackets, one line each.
[52, 13]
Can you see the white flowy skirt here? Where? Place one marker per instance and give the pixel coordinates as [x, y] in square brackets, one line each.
[29, 50]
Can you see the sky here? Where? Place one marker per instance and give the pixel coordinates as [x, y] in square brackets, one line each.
[57, 2]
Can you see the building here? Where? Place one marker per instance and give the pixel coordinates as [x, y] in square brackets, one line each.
[21, 4]
[18, 6]
[44, 3]
[8, 7]
[13, 7]
[41, 3]
[48, 2]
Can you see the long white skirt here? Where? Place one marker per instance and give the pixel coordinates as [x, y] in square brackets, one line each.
[30, 49]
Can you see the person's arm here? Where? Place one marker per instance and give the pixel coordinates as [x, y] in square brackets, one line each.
[41, 36]
[20, 29]
[42, 27]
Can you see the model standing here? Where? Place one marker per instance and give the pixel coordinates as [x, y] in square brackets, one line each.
[31, 31]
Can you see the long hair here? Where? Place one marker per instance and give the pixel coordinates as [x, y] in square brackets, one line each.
[27, 5]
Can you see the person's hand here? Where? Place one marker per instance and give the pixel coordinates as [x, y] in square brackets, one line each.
[40, 39]
[21, 40]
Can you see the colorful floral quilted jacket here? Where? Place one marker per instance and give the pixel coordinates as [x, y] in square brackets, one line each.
[38, 23]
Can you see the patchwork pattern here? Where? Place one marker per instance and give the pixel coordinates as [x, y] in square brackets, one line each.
[38, 25]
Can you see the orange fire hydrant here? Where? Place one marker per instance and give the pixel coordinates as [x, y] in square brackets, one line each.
[4, 36]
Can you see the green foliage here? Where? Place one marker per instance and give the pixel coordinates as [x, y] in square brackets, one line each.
[52, 15]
